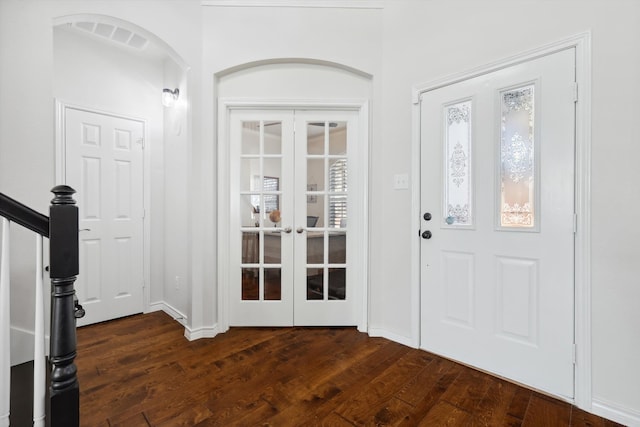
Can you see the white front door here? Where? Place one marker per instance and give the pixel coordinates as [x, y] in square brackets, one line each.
[289, 208]
[497, 251]
[104, 164]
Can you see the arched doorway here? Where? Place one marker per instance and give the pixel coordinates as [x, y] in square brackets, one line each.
[303, 266]
[114, 140]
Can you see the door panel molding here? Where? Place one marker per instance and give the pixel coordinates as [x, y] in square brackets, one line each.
[360, 266]
[61, 107]
[582, 270]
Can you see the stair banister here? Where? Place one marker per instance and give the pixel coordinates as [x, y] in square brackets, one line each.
[64, 268]
[62, 230]
[23, 215]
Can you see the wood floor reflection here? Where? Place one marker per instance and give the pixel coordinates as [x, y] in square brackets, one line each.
[273, 284]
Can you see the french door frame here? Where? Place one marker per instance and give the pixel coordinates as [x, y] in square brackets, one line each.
[361, 231]
[582, 246]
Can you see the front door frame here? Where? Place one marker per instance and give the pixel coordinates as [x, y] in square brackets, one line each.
[61, 106]
[582, 274]
[225, 106]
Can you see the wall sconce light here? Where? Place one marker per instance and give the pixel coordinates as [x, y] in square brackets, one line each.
[169, 97]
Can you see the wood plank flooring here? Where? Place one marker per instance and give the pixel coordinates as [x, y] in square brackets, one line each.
[141, 371]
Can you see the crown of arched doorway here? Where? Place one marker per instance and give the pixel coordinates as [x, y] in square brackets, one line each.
[306, 61]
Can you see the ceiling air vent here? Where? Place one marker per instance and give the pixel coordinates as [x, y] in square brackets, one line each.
[114, 33]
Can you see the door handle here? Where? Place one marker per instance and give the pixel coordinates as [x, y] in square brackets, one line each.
[85, 229]
[287, 230]
[426, 234]
[299, 230]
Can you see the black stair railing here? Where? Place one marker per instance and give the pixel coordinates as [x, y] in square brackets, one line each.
[61, 227]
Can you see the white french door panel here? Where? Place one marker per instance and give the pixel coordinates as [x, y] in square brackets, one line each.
[325, 279]
[260, 276]
[104, 164]
[497, 178]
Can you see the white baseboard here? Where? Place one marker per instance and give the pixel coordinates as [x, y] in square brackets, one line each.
[177, 315]
[202, 332]
[400, 339]
[190, 334]
[22, 345]
[616, 412]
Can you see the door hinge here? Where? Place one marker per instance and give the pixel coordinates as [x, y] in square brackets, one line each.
[573, 353]
[141, 142]
[144, 213]
[575, 223]
[574, 89]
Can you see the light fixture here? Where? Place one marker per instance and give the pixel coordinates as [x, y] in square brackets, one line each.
[169, 97]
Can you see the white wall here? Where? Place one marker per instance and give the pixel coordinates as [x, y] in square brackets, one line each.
[175, 210]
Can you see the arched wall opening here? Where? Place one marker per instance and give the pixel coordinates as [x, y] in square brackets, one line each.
[105, 64]
[280, 83]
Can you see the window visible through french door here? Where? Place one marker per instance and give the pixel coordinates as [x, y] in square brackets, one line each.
[292, 199]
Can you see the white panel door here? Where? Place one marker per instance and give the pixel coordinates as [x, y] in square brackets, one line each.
[497, 183]
[289, 204]
[104, 164]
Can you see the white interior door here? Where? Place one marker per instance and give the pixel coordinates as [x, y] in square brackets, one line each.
[104, 164]
[325, 280]
[497, 183]
[261, 218]
[289, 206]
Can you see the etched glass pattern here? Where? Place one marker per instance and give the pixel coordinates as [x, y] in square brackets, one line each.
[517, 158]
[458, 205]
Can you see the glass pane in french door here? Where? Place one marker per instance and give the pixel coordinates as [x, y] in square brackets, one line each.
[260, 208]
[326, 197]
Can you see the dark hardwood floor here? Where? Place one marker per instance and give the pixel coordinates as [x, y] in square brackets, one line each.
[141, 371]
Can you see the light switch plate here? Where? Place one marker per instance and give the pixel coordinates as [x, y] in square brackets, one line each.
[401, 181]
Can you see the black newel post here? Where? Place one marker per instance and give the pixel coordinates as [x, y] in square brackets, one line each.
[64, 408]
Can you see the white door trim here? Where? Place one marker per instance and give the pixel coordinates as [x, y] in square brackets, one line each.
[61, 107]
[582, 320]
[225, 106]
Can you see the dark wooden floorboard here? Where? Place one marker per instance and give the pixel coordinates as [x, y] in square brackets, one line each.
[141, 371]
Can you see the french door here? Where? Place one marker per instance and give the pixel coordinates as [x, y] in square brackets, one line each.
[290, 207]
[497, 252]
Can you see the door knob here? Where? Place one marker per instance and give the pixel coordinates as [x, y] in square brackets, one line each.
[426, 234]
[287, 230]
[299, 230]
[427, 216]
